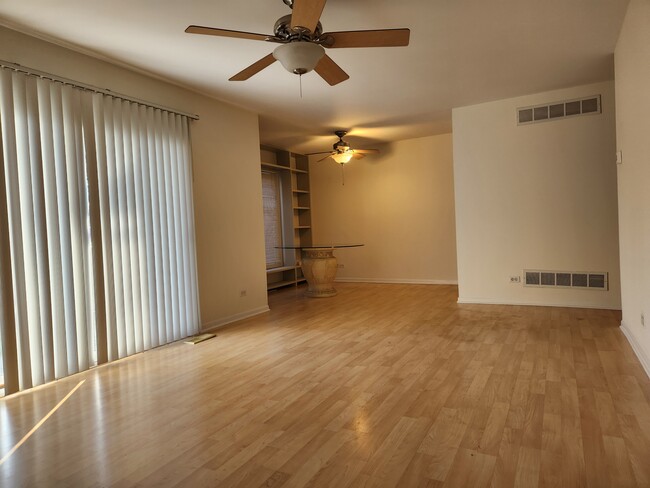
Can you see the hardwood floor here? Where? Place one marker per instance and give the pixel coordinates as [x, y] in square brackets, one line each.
[383, 385]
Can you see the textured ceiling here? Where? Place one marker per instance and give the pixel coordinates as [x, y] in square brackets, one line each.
[462, 52]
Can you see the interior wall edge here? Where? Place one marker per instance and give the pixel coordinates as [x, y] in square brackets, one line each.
[636, 347]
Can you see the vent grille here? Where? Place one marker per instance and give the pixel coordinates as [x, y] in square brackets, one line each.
[566, 279]
[558, 110]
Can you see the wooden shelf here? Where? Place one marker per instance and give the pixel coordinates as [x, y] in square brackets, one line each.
[295, 190]
[276, 166]
[278, 270]
[294, 170]
[301, 208]
[302, 227]
[279, 284]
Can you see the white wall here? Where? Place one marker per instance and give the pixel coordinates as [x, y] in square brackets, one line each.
[539, 196]
[400, 204]
[227, 185]
[632, 59]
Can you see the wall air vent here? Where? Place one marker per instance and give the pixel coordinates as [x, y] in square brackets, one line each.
[558, 110]
[566, 279]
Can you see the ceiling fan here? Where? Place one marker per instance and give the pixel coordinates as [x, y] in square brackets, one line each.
[342, 152]
[302, 42]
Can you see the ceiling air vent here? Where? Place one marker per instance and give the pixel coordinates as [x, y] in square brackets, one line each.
[558, 110]
[566, 279]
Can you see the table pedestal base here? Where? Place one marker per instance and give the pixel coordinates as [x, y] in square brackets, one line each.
[319, 268]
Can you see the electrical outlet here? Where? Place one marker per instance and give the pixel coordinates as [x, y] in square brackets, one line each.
[515, 279]
[242, 293]
[643, 320]
[340, 266]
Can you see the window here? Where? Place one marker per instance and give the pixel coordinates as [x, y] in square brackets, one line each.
[272, 202]
[97, 240]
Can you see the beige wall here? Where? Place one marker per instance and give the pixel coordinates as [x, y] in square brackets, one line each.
[633, 135]
[400, 204]
[227, 188]
[540, 196]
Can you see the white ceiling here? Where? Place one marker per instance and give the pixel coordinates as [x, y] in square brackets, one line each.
[462, 52]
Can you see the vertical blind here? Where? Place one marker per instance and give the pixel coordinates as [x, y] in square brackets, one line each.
[97, 252]
[272, 219]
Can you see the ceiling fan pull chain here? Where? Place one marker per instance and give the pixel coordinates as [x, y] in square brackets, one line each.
[342, 175]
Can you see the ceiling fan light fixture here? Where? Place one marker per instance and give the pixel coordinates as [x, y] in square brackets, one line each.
[343, 157]
[299, 57]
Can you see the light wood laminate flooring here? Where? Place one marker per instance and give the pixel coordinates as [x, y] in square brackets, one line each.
[382, 385]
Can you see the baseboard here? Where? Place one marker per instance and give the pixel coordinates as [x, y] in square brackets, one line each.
[233, 318]
[636, 347]
[491, 301]
[396, 281]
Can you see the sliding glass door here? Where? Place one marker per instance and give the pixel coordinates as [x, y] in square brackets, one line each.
[97, 232]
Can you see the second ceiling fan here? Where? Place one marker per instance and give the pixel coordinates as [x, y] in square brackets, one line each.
[342, 152]
[303, 41]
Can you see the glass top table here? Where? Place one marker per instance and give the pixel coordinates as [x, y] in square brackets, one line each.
[319, 267]
[327, 246]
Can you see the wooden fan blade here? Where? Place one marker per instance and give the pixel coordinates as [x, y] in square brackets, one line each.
[357, 155]
[366, 151]
[323, 159]
[317, 153]
[254, 68]
[306, 13]
[369, 38]
[211, 31]
[330, 71]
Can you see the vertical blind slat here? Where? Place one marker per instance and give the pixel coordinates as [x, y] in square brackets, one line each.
[148, 277]
[126, 347]
[177, 238]
[25, 156]
[156, 274]
[112, 234]
[80, 236]
[96, 291]
[39, 104]
[62, 257]
[165, 332]
[138, 144]
[15, 232]
[75, 283]
[131, 241]
[171, 241]
[8, 339]
[189, 178]
[137, 226]
[107, 338]
[183, 229]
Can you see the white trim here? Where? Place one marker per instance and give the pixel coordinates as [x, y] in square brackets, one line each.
[636, 347]
[396, 281]
[215, 324]
[495, 301]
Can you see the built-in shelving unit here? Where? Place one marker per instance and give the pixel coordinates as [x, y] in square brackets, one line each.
[293, 170]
